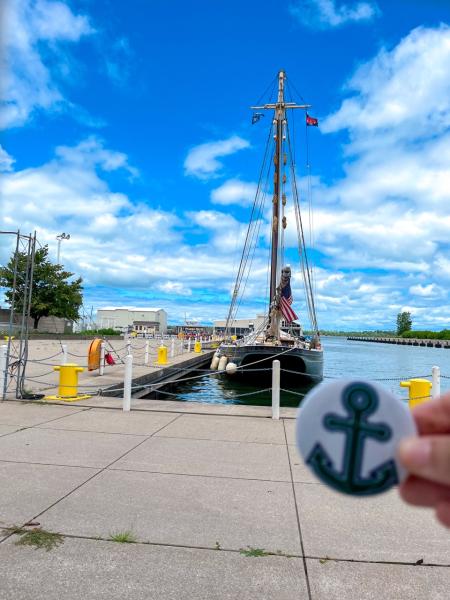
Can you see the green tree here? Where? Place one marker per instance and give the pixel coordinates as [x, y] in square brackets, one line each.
[404, 322]
[52, 294]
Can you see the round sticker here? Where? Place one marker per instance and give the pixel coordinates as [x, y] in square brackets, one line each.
[348, 432]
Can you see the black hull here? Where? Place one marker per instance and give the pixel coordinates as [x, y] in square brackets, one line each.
[296, 363]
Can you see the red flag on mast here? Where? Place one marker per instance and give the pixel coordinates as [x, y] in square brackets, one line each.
[312, 121]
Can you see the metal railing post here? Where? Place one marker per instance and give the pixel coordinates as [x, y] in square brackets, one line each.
[64, 353]
[436, 381]
[276, 371]
[102, 359]
[127, 380]
[3, 370]
[147, 348]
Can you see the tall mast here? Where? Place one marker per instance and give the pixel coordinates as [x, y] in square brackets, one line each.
[279, 124]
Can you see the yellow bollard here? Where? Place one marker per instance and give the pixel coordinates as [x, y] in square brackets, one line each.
[418, 390]
[7, 338]
[198, 347]
[68, 383]
[162, 355]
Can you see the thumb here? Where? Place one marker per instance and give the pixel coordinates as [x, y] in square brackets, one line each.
[427, 457]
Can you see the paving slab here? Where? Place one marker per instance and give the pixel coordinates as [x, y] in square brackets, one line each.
[182, 510]
[381, 528]
[72, 448]
[112, 421]
[99, 570]
[26, 490]
[5, 429]
[300, 472]
[290, 425]
[25, 414]
[211, 458]
[238, 429]
[368, 581]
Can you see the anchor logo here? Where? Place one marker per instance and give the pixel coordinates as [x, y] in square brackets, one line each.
[360, 401]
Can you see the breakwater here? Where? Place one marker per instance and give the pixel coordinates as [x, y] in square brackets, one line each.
[402, 341]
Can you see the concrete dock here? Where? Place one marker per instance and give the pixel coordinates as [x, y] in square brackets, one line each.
[423, 342]
[44, 355]
[216, 505]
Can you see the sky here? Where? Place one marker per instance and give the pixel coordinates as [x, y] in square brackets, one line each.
[128, 126]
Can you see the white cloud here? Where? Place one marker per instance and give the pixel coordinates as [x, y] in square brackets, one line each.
[234, 191]
[123, 249]
[6, 161]
[402, 93]
[325, 14]
[391, 208]
[28, 84]
[175, 287]
[202, 161]
[426, 291]
[384, 226]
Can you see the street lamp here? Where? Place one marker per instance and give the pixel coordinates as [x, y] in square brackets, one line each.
[60, 237]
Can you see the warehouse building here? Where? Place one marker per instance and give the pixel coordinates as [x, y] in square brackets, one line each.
[240, 326]
[126, 318]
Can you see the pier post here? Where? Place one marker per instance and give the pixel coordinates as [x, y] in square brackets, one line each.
[64, 353]
[3, 371]
[436, 381]
[128, 378]
[128, 347]
[147, 348]
[189, 344]
[102, 359]
[172, 348]
[276, 389]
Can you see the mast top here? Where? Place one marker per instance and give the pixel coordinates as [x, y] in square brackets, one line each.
[281, 105]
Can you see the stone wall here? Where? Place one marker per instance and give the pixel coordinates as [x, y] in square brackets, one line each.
[46, 324]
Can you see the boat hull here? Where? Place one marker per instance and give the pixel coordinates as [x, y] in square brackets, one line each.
[256, 360]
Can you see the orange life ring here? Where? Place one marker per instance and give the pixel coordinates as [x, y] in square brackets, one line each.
[94, 354]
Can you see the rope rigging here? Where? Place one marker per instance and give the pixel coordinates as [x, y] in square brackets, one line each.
[306, 271]
[250, 241]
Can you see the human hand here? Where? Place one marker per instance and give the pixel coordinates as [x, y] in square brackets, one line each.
[427, 459]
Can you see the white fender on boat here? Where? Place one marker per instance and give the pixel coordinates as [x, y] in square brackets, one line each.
[223, 362]
[214, 362]
[231, 368]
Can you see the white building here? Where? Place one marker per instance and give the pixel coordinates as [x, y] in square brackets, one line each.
[245, 326]
[240, 326]
[146, 320]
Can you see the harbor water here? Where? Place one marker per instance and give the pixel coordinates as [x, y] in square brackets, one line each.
[387, 363]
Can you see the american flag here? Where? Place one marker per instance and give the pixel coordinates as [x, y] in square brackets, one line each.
[285, 304]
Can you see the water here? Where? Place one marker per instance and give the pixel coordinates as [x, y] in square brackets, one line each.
[342, 358]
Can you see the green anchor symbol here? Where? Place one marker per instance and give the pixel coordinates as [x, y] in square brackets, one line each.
[360, 400]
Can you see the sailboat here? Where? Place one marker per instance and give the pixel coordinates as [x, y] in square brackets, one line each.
[278, 335]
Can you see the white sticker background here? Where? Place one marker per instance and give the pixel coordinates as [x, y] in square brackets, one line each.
[326, 398]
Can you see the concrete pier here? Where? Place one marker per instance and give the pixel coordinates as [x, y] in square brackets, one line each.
[214, 506]
[402, 341]
[44, 355]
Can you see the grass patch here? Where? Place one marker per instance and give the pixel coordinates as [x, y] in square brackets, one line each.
[249, 551]
[123, 537]
[37, 537]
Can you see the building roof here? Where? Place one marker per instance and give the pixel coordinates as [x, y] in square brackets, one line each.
[130, 308]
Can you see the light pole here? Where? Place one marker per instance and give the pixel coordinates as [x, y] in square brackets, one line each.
[60, 237]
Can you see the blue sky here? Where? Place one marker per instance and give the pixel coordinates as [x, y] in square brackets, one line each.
[127, 125]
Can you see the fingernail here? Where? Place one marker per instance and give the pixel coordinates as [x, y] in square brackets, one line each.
[416, 452]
